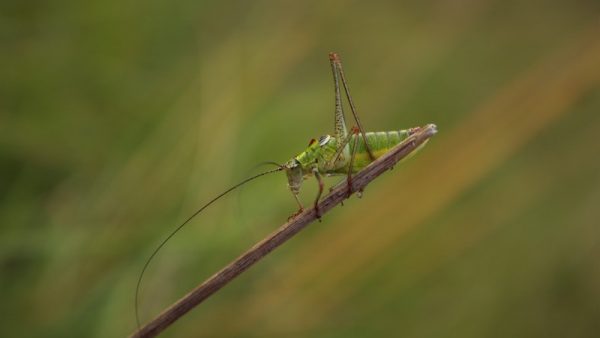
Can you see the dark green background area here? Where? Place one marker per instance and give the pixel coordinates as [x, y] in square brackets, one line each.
[118, 119]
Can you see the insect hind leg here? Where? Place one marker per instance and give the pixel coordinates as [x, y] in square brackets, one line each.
[336, 63]
[340, 121]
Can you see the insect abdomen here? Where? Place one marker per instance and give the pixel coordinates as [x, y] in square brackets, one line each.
[380, 143]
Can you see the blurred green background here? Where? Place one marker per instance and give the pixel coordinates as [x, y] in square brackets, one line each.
[119, 118]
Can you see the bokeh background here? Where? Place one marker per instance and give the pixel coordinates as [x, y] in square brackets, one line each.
[119, 118]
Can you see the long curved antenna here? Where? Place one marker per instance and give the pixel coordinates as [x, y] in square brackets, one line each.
[238, 207]
[267, 162]
[137, 287]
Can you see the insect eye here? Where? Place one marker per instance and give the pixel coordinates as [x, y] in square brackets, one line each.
[324, 139]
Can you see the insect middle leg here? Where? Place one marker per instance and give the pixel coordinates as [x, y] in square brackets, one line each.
[321, 185]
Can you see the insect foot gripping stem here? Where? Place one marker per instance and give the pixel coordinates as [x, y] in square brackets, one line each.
[292, 216]
[318, 213]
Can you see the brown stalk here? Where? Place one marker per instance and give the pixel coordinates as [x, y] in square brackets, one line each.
[340, 192]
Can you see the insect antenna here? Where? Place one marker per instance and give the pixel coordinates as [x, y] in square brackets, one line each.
[238, 208]
[259, 164]
[139, 281]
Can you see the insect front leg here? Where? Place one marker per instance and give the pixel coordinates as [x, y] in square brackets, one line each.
[300, 207]
[295, 178]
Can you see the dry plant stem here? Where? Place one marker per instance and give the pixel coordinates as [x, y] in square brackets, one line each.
[281, 235]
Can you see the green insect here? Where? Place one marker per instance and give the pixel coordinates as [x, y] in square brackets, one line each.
[344, 153]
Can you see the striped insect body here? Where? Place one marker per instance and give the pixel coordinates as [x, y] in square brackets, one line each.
[345, 152]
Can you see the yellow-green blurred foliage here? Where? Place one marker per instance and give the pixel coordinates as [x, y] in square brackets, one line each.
[119, 118]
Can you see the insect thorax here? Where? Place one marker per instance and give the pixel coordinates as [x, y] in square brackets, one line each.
[317, 154]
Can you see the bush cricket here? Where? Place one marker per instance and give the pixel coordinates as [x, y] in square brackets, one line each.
[344, 153]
